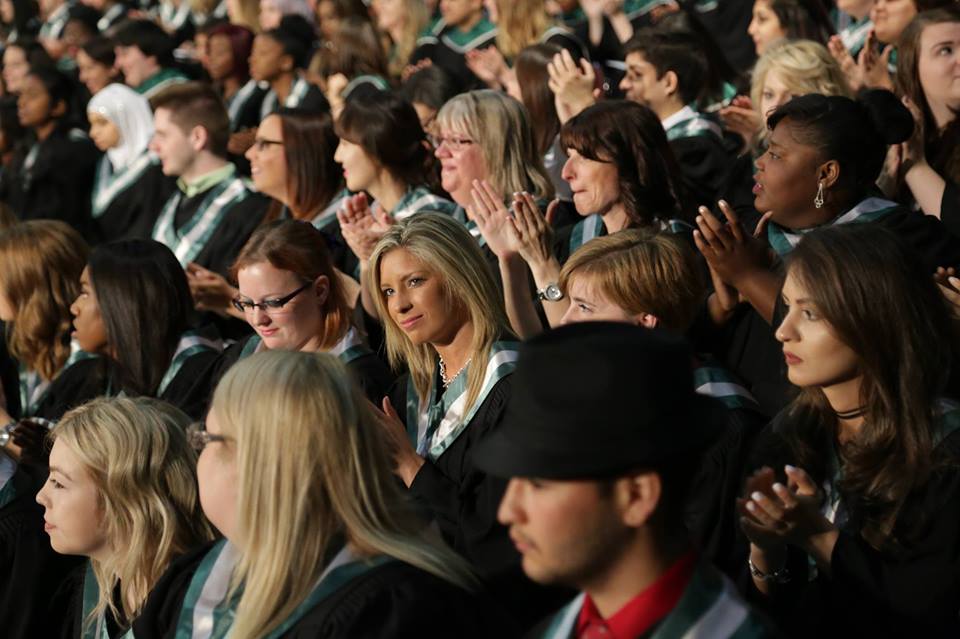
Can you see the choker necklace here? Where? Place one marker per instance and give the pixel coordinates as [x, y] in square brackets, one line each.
[443, 372]
[851, 414]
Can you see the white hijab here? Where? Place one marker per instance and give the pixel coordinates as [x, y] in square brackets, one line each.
[130, 113]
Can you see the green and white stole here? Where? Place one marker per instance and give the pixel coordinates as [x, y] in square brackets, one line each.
[328, 216]
[235, 104]
[460, 214]
[636, 8]
[718, 383]
[592, 227]
[7, 469]
[297, 92]
[461, 42]
[191, 343]
[855, 35]
[709, 608]
[193, 237]
[107, 185]
[416, 200]
[91, 594]
[208, 614]
[349, 348]
[433, 426]
[688, 123]
[33, 388]
[783, 240]
[172, 16]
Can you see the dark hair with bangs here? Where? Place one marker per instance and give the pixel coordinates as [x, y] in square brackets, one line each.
[631, 137]
[387, 128]
[296, 37]
[309, 142]
[676, 51]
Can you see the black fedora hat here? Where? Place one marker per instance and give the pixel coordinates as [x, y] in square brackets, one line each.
[595, 399]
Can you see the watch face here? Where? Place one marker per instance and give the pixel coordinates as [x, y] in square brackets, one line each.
[553, 293]
[4, 437]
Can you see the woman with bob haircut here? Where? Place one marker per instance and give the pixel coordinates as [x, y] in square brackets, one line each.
[227, 63]
[122, 491]
[929, 165]
[319, 541]
[292, 296]
[440, 307]
[44, 373]
[849, 514]
[121, 289]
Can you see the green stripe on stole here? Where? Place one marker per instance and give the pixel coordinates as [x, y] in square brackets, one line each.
[783, 240]
[349, 348]
[720, 384]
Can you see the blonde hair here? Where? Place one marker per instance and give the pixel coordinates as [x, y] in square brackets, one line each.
[447, 249]
[642, 272]
[324, 473]
[417, 19]
[137, 454]
[804, 66]
[247, 14]
[40, 266]
[521, 24]
[499, 124]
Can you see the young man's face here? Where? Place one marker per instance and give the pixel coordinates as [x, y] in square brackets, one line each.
[641, 84]
[135, 66]
[567, 531]
[171, 143]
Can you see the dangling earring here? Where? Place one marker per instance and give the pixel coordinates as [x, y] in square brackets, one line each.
[818, 201]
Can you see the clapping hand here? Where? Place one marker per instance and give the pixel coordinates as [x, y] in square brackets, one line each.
[211, 291]
[730, 251]
[493, 220]
[533, 230]
[773, 513]
[573, 85]
[361, 228]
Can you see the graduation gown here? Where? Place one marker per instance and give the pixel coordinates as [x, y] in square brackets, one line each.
[698, 144]
[125, 205]
[448, 47]
[391, 600]
[303, 95]
[186, 384]
[32, 571]
[243, 107]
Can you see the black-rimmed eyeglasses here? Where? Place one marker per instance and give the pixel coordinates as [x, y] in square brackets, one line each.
[268, 305]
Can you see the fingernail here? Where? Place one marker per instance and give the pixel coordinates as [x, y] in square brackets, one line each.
[778, 486]
[789, 468]
[756, 496]
[750, 506]
[723, 203]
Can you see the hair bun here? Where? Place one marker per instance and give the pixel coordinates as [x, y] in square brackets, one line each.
[297, 27]
[891, 119]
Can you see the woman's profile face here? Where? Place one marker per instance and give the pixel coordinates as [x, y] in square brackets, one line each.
[103, 132]
[765, 27]
[775, 93]
[73, 514]
[595, 184]
[268, 164]
[94, 75]
[415, 300]
[786, 180]
[218, 480]
[360, 171]
[891, 17]
[15, 68]
[814, 354]
[589, 304]
[461, 162]
[219, 59]
[938, 65]
[299, 323]
[88, 327]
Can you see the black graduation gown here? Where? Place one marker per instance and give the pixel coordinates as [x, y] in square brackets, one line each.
[911, 592]
[32, 572]
[704, 165]
[133, 212]
[452, 59]
[950, 208]
[73, 387]
[392, 601]
[67, 607]
[190, 388]
[57, 185]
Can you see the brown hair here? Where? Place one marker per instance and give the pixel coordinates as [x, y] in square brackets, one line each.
[850, 271]
[521, 24]
[309, 142]
[40, 266]
[194, 104]
[355, 50]
[642, 272]
[536, 95]
[940, 146]
[298, 247]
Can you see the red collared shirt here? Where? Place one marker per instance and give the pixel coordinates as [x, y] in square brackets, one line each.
[643, 611]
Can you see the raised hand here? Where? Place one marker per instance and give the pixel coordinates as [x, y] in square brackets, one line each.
[360, 228]
[211, 291]
[493, 220]
[874, 66]
[533, 231]
[848, 65]
[731, 252]
[487, 64]
[573, 85]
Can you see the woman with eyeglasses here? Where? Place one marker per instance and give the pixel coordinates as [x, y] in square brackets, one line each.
[291, 295]
[318, 539]
[122, 492]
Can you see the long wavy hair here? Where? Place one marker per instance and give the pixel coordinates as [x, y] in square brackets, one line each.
[40, 266]
[137, 454]
[850, 271]
[327, 477]
[521, 23]
[447, 249]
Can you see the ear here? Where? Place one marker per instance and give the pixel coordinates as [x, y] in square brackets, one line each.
[322, 288]
[638, 496]
[198, 138]
[647, 320]
[671, 83]
[829, 173]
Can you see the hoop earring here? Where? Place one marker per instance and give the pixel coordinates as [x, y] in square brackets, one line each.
[818, 200]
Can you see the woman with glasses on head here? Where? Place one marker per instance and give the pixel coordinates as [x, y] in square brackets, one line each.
[291, 295]
[319, 541]
[122, 492]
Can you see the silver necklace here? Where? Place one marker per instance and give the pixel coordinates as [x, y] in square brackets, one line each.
[443, 372]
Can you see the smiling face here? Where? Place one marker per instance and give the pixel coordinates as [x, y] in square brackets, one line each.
[787, 180]
[296, 326]
[938, 67]
[891, 17]
[415, 299]
[73, 514]
[95, 76]
[765, 27]
[595, 185]
[267, 59]
[136, 67]
[218, 480]
[815, 355]
[360, 170]
[566, 531]
[103, 132]
[15, 68]
[461, 162]
[268, 164]
[89, 329]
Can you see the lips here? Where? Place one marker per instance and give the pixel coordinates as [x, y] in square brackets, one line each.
[407, 324]
[791, 359]
[47, 526]
[757, 187]
[522, 544]
[267, 332]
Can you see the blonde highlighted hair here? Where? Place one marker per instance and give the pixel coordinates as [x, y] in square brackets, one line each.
[137, 454]
[417, 19]
[521, 23]
[500, 126]
[642, 271]
[447, 249]
[804, 66]
[312, 465]
[40, 266]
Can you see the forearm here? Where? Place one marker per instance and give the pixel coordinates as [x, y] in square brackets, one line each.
[621, 26]
[820, 547]
[761, 289]
[517, 297]
[767, 561]
[595, 29]
[549, 273]
[927, 187]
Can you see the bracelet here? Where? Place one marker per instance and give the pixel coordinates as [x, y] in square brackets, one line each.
[779, 576]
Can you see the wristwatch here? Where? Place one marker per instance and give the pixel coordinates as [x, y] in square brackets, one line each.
[550, 293]
[6, 432]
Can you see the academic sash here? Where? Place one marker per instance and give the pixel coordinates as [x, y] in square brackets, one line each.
[718, 383]
[190, 240]
[349, 348]
[207, 613]
[107, 185]
[235, 104]
[297, 92]
[433, 426]
[191, 343]
[689, 123]
[416, 200]
[33, 388]
[592, 227]
[783, 240]
[709, 608]
[7, 469]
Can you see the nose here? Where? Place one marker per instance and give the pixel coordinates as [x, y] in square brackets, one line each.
[441, 151]
[567, 172]
[42, 497]
[567, 319]
[509, 511]
[260, 317]
[401, 303]
[786, 332]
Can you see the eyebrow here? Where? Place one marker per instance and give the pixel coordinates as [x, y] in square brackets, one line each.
[55, 469]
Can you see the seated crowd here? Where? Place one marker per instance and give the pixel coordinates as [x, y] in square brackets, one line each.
[570, 319]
